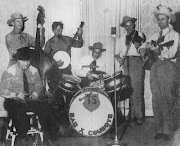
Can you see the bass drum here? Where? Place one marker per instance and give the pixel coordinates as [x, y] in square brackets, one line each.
[91, 112]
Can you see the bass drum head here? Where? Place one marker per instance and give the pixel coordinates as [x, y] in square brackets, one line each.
[91, 112]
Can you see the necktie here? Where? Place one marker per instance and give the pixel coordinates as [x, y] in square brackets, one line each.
[160, 38]
[94, 64]
[25, 82]
[160, 34]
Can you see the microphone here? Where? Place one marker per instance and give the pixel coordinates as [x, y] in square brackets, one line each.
[113, 31]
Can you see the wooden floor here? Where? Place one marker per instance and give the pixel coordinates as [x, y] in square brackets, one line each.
[133, 136]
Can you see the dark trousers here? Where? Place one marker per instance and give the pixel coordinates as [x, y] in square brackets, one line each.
[17, 112]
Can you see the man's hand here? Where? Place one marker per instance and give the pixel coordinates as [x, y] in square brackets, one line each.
[33, 96]
[155, 49]
[21, 96]
[90, 76]
[80, 31]
[136, 45]
[118, 58]
[60, 63]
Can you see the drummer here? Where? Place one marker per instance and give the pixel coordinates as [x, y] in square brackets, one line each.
[92, 67]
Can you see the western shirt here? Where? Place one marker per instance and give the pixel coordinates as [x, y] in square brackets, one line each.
[87, 60]
[121, 47]
[12, 80]
[167, 52]
[15, 40]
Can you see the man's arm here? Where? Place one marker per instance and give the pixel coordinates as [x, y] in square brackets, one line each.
[38, 86]
[47, 48]
[77, 43]
[5, 85]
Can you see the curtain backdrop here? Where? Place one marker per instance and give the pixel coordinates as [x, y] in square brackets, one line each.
[99, 17]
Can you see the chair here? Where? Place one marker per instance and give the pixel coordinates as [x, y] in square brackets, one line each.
[11, 130]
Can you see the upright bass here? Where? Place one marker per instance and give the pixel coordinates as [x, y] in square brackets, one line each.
[45, 64]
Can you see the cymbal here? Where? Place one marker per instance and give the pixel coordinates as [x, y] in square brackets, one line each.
[97, 72]
[90, 66]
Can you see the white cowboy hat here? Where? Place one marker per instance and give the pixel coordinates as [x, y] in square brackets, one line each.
[15, 16]
[162, 10]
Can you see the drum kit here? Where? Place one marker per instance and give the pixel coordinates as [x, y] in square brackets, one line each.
[91, 112]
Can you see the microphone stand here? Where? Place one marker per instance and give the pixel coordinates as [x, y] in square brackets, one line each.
[116, 141]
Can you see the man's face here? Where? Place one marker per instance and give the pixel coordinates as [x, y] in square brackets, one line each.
[18, 24]
[163, 21]
[129, 26]
[96, 53]
[58, 31]
[24, 64]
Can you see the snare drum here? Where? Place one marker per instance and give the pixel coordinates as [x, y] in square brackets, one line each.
[109, 82]
[69, 83]
[91, 112]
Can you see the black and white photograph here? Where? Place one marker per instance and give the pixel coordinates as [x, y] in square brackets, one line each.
[90, 73]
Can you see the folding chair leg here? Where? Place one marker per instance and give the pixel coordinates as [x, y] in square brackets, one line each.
[41, 136]
[13, 140]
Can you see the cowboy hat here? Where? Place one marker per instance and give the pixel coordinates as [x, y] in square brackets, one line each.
[15, 16]
[126, 19]
[23, 54]
[97, 45]
[162, 10]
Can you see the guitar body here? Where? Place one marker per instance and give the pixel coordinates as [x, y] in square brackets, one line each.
[151, 57]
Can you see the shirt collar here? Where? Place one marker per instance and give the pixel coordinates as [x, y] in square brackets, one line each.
[165, 31]
[16, 31]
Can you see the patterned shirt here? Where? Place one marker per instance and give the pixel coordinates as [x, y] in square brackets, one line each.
[15, 40]
[12, 80]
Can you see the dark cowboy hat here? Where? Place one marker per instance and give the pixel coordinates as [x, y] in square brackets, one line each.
[23, 54]
[126, 19]
[15, 16]
[97, 45]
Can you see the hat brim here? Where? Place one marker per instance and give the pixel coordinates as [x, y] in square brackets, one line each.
[9, 22]
[26, 56]
[171, 16]
[92, 49]
[132, 19]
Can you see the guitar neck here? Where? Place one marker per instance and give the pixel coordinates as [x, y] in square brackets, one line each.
[167, 44]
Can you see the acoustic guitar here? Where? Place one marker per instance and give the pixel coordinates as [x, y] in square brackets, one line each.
[150, 57]
[62, 57]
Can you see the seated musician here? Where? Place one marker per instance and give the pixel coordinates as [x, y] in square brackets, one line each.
[63, 43]
[163, 46]
[22, 88]
[17, 38]
[91, 67]
[128, 57]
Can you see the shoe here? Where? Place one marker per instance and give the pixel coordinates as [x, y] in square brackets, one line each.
[158, 136]
[167, 137]
[139, 122]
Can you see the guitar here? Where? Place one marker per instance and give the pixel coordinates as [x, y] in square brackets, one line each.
[62, 57]
[150, 57]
